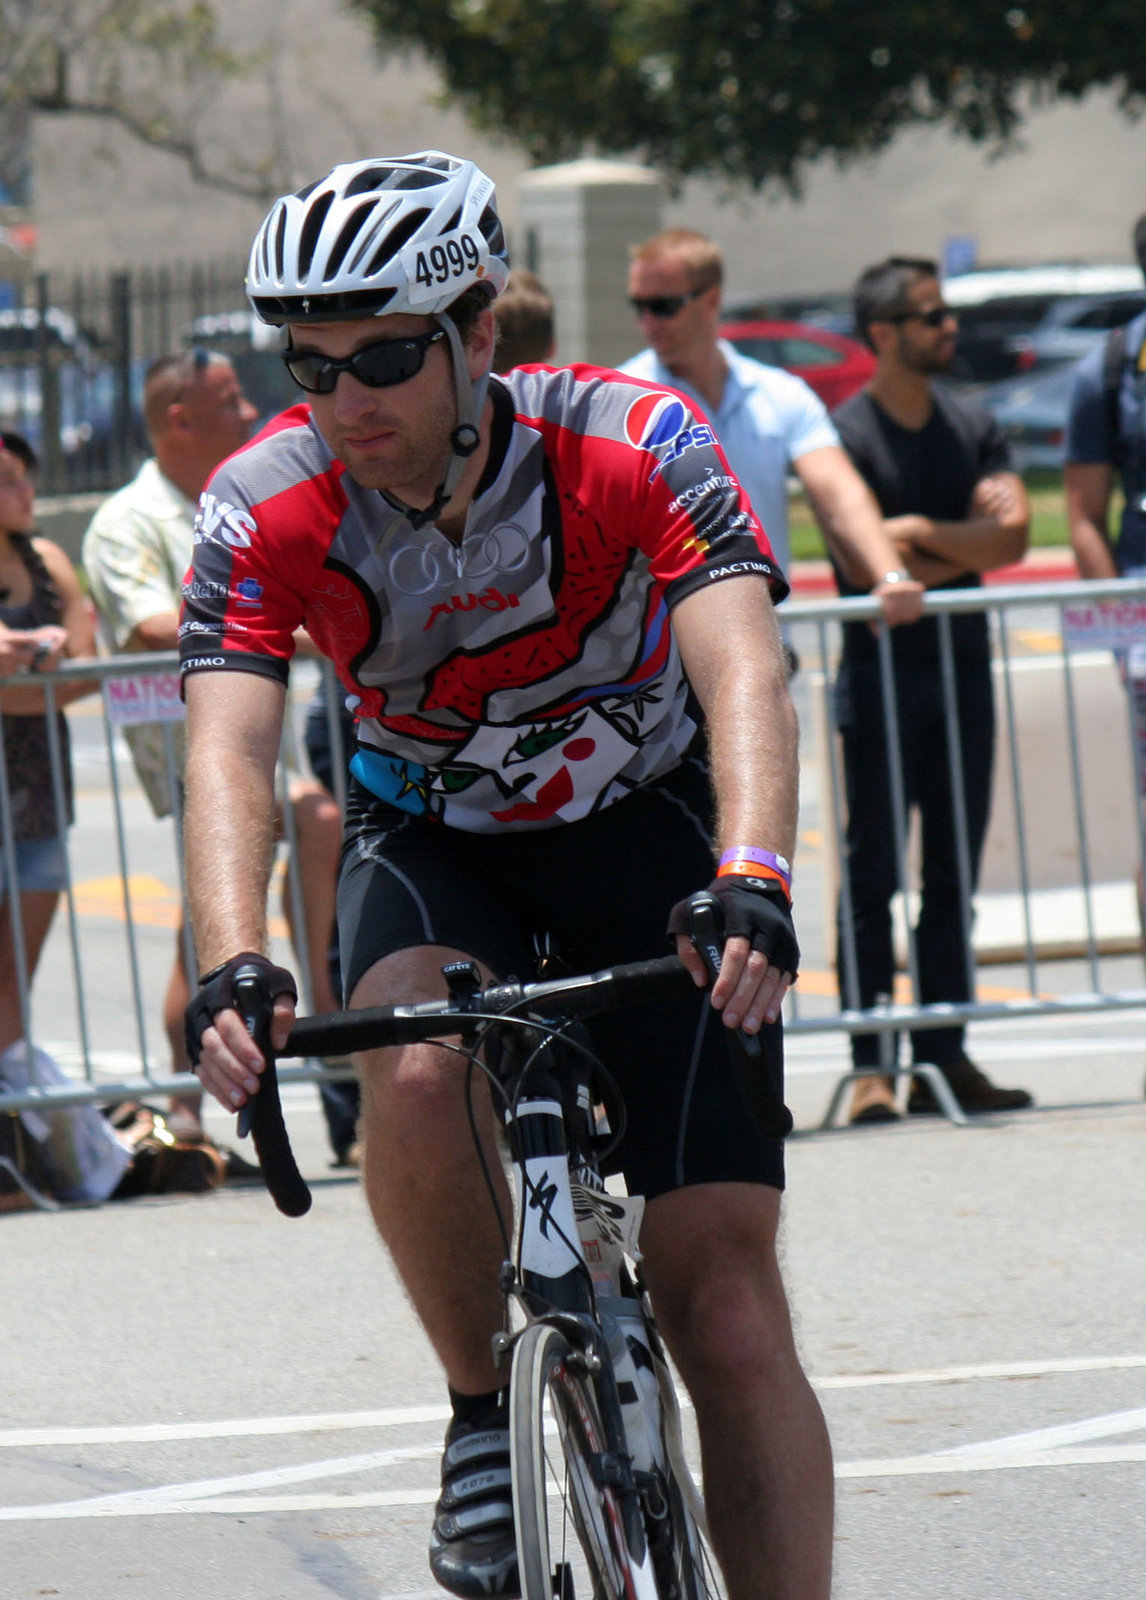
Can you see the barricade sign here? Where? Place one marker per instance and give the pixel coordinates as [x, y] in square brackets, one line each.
[149, 697]
[1104, 624]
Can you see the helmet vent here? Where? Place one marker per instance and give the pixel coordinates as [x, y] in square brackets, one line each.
[350, 231]
[367, 182]
[279, 237]
[492, 231]
[397, 237]
[454, 221]
[311, 228]
[414, 180]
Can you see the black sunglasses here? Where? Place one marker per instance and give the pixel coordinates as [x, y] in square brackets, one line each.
[664, 306]
[935, 318]
[378, 366]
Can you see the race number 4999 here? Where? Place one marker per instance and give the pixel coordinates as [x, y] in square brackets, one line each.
[432, 268]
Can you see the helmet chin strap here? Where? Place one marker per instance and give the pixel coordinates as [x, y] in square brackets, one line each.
[466, 436]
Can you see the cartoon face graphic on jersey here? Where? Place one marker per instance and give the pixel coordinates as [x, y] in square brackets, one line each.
[524, 774]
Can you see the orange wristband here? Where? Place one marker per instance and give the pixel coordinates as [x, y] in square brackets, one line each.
[753, 869]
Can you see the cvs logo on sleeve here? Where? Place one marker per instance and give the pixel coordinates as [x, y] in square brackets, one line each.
[219, 522]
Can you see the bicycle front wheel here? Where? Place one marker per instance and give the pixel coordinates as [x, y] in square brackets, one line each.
[570, 1526]
[685, 1566]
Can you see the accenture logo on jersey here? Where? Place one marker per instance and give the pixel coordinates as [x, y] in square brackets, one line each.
[697, 491]
[659, 424]
[219, 522]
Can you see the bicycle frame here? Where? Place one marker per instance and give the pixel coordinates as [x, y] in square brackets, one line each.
[572, 1241]
[547, 1113]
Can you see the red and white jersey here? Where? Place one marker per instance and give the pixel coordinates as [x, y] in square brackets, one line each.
[527, 675]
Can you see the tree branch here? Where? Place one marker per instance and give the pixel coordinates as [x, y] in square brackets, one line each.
[254, 188]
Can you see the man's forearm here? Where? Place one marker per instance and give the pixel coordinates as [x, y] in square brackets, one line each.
[1092, 550]
[730, 645]
[1088, 487]
[852, 526]
[234, 721]
[976, 545]
[753, 746]
[229, 837]
[753, 740]
[848, 515]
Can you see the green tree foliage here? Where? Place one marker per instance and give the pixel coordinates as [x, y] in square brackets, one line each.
[753, 90]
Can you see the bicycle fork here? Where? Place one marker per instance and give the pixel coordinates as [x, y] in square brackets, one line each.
[555, 1283]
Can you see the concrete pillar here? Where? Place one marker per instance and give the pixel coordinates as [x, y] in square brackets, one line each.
[575, 223]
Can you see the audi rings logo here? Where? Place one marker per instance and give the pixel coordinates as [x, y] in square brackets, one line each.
[419, 569]
[654, 420]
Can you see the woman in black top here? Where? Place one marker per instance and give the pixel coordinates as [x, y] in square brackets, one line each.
[44, 619]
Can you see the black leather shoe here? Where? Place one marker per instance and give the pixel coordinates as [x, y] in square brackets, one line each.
[973, 1089]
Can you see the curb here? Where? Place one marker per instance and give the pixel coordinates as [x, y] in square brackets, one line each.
[814, 579]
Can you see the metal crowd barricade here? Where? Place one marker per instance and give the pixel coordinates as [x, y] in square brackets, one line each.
[105, 1038]
[1092, 983]
[101, 1015]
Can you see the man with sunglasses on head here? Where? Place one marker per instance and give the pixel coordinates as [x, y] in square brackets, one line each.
[940, 468]
[519, 579]
[768, 421]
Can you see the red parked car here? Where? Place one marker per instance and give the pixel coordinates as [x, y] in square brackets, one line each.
[834, 366]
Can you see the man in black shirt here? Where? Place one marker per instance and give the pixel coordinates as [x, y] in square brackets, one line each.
[940, 469]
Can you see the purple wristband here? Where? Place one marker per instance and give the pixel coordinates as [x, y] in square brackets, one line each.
[759, 858]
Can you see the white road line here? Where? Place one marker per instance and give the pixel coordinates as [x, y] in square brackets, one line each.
[957, 1462]
[991, 1369]
[1065, 1433]
[210, 1490]
[158, 1432]
[952, 1463]
[230, 1506]
[396, 1417]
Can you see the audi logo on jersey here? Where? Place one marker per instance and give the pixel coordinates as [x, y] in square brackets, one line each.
[663, 425]
[419, 568]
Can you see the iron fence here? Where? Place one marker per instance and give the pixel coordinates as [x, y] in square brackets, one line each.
[74, 350]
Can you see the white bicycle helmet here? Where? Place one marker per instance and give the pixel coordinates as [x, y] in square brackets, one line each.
[395, 234]
[374, 237]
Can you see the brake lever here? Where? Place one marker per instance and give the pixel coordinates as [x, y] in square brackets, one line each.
[262, 1115]
[706, 928]
[769, 1115]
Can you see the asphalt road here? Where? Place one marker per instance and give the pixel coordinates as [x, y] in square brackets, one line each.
[201, 1398]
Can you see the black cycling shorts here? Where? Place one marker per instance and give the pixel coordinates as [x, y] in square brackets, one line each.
[602, 889]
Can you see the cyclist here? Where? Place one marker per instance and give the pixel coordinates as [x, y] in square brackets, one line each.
[523, 583]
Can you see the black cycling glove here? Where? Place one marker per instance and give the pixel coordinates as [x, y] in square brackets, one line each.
[761, 915]
[217, 993]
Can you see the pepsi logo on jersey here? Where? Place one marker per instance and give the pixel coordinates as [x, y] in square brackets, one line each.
[662, 425]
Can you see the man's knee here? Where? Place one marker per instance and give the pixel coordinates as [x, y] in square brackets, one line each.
[422, 1084]
[711, 1258]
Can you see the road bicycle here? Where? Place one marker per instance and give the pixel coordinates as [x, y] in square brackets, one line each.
[605, 1506]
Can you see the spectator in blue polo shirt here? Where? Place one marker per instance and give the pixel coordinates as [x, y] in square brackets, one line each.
[769, 422]
[1105, 449]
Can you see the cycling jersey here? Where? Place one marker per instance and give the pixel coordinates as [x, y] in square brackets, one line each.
[527, 675]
